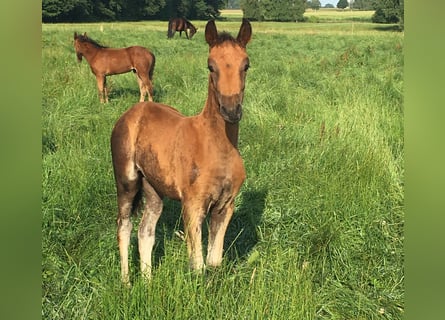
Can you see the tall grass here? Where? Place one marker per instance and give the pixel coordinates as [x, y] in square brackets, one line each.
[318, 227]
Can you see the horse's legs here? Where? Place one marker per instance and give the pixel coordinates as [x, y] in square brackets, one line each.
[145, 86]
[219, 221]
[142, 89]
[126, 191]
[186, 34]
[147, 227]
[101, 86]
[105, 90]
[193, 217]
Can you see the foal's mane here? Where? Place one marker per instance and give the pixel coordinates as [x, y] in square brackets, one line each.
[84, 38]
[223, 37]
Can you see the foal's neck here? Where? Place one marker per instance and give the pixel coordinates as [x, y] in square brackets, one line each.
[232, 133]
[90, 52]
[212, 116]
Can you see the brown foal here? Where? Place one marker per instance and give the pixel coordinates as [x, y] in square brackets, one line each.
[158, 152]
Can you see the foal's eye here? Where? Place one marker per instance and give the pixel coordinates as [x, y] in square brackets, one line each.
[211, 69]
[246, 67]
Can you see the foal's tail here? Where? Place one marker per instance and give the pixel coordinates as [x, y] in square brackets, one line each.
[152, 66]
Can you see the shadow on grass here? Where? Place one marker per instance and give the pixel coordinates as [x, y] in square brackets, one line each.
[241, 234]
[385, 27]
[117, 93]
[240, 238]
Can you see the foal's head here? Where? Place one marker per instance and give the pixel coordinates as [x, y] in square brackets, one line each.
[80, 43]
[228, 63]
[192, 30]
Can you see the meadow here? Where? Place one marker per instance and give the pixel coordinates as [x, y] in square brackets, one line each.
[318, 227]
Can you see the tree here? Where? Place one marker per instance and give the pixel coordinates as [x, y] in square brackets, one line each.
[66, 10]
[341, 4]
[192, 9]
[313, 4]
[112, 10]
[233, 4]
[151, 8]
[251, 9]
[389, 11]
[271, 10]
[363, 4]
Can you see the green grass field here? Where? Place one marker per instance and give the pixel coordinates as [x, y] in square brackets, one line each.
[318, 227]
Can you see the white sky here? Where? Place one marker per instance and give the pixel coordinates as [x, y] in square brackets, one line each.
[323, 2]
[333, 2]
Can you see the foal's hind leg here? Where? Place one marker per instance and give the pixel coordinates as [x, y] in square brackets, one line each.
[126, 193]
[145, 87]
[147, 227]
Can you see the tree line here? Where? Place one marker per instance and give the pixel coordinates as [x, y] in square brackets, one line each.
[128, 10]
[386, 11]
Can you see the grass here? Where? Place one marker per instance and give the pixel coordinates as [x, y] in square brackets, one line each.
[318, 227]
[322, 15]
[338, 15]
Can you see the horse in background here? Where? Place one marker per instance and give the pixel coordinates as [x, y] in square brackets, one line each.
[106, 61]
[180, 24]
[157, 152]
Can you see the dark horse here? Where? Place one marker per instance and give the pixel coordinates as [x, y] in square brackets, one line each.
[106, 61]
[180, 24]
[158, 152]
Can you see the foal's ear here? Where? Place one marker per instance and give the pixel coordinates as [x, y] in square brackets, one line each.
[245, 33]
[75, 35]
[211, 33]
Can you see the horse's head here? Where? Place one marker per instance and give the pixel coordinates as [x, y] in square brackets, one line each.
[192, 30]
[78, 39]
[228, 63]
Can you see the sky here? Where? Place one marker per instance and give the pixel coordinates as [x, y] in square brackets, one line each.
[333, 2]
[324, 2]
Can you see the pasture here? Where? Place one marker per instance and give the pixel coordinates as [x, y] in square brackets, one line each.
[318, 226]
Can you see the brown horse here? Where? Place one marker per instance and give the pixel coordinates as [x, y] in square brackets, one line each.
[180, 24]
[158, 152]
[106, 61]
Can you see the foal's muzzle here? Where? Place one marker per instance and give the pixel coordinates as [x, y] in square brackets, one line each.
[232, 115]
[231, 108]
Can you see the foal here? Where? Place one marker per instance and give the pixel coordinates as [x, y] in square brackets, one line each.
[105, 61]
[180, 24]
[161, 153]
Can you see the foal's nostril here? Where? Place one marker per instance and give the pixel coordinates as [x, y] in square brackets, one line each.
[238, 109]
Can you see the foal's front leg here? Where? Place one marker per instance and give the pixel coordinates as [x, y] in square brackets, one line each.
[102, 88]
[193, 216]
[219, 222]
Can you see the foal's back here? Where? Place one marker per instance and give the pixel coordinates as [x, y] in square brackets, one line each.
[121, 60]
